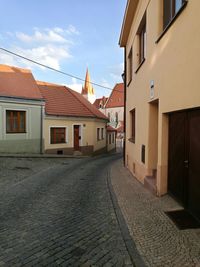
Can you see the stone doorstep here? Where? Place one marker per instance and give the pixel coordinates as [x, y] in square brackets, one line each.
[150, 183]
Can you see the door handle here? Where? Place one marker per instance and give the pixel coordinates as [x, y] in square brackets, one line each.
[186, 163]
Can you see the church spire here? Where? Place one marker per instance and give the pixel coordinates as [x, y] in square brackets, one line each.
[88, 90]
[88, 86]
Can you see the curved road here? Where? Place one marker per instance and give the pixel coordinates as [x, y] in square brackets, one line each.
[63, 216]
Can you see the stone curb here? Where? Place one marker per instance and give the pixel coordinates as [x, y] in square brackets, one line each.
[130, 244]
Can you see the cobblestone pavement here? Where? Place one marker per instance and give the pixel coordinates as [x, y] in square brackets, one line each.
[15, 169]
[62, 216]
[157, 239]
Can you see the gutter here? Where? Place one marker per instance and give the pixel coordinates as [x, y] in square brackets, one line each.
[124, 147]
[41, 130]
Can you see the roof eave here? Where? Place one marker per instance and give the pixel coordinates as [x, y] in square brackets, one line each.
[127, 21]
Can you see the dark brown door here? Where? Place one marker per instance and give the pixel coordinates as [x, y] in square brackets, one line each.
[184, 159]
[177, 172]
[76, 137]
[194, 163]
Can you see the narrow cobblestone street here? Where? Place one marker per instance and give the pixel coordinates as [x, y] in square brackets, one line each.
[62, 216]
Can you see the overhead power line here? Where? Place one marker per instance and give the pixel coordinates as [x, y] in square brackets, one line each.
[53, 69]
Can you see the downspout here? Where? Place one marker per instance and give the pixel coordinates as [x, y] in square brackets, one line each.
[124, 148]
[41, 131]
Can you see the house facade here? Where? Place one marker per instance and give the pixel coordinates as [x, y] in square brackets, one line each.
[113, 108]
[71, 124]
[21, 109]
[161, 42]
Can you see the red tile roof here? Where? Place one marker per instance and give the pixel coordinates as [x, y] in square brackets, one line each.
[100, 101]
[116, 98]
[63, 101]
[17, 82]
[111, 129]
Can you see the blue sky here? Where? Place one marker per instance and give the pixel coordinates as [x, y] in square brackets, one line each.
[66, 35]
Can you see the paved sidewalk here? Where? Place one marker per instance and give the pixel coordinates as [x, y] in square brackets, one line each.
[159, 242]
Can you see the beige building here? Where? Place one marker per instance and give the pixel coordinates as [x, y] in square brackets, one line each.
[72, 125]
[161, 40]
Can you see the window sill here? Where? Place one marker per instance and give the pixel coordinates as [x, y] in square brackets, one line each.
[132, 140]
[172, 21]
[16, 132]
[141, 63]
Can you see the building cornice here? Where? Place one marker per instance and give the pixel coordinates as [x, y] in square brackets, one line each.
[127, 21]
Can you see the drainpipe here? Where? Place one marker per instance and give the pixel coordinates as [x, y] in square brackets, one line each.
[124, 79]
[41, 130]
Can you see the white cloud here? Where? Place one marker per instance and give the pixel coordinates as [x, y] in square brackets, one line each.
[116, 72]
[49, 55]
[51, 36]
[46, 46]
[7, 59]
[75, 85]
[105, 83]
[72, 30]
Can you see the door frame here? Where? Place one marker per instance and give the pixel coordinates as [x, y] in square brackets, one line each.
[80, 133]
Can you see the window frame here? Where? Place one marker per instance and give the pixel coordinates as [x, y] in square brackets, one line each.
[102, 133]
[130, 66]
[177, 14]
[142, 42]
[98, 134]
[169, 11]
[54, 135]
[133, 125]
[17, 130]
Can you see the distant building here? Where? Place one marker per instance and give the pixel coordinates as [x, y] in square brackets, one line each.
[88, 90]
[113, 108]
[71, 123]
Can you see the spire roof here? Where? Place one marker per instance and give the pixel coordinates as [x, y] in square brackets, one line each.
[88, 88]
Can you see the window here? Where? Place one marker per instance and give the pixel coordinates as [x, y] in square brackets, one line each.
[98, 134]
[132, 130]
[142, 40]
[129, 65]
[170, 9]
[109, 116]
[102, 133]
[109, 138]
[113, 138]
[58, 135]
[116, 116]
[15, 121]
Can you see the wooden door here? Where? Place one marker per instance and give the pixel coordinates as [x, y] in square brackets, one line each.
[184, 159]
[76, 137]
[177, 173]
[194, 163]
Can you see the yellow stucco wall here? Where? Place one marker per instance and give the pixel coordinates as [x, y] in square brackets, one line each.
[173, 64]
[88, 132]
[112, 145]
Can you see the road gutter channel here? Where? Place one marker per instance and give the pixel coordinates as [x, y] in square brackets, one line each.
[135, 257]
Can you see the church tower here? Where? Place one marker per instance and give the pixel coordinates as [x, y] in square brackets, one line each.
[88, 90]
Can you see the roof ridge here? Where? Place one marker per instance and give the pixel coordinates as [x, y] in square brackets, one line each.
[72, 92]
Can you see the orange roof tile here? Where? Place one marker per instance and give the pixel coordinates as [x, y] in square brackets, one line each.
[17, 82]
[100, 101]
[63, 101]
[116, 98]
[111, 129]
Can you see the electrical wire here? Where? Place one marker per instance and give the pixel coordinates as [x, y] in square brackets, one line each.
[53, 69]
